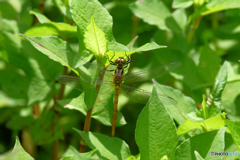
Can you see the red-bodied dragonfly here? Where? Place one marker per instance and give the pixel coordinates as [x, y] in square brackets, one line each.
[118, 80]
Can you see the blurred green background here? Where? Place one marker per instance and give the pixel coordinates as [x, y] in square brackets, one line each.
[201, 45]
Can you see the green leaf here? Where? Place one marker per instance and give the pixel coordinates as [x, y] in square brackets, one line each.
[180, 17]
[232, 76]
[182, 3]
[185, 72]
[146, 47]
[131, 158]
[15, 85]
[47, 27]
[155, 131]
[10, 9]
[51, 28]
[50, 46]
[209, 63]
[9, 38]
[73, 154]
[214, 6]
[218, 87]
[74, 103]
[155, 13]
[198, 156]
[82, 11]
[185, 104]
[64, 7]
[31, 62]
[82, 14]
[46, 129]
[42, 30]
[38, 90]
[198, 3]
[212, 142]
[94, 39]
[19, 122]
[40, 69]
[130, 44]
[68, 158]
[101, 112]
[211, 124]
[233, 126]
[229, 144]
[17, 153]
[149, 46]
[218, 143]
[164, 158]
[229, 98]
[107, 147]
[232, 27]
[6, 101]
[42, 18]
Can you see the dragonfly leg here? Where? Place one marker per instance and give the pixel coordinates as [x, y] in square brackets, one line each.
[128, 60]
[110, 61]
[110, 70]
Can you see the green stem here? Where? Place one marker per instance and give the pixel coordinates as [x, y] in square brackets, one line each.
[193, 28]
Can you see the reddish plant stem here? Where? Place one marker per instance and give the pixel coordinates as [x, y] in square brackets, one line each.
[86, 128]
[36, 110]
[87, 122]
[41, 6]
[55, 149]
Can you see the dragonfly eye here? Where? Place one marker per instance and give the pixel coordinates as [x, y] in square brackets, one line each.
[118, 60]
[123, 61]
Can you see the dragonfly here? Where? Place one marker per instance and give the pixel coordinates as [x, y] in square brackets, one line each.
[119, 81]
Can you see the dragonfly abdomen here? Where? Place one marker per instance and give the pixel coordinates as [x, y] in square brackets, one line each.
[114, 117]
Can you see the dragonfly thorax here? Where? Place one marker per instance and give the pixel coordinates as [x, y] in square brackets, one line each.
[118, 76]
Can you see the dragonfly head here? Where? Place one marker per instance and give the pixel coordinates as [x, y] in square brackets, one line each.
[120, 60]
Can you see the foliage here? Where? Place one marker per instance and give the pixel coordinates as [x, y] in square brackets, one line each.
[41, 40]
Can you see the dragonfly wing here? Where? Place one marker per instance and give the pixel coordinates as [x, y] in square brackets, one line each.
[73, 59]
[142, 96]
[151, 73]
[71, 81]
[75, 82]
[76, 61]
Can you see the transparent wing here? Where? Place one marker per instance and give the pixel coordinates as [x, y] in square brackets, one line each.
[151, 73]
[77, 61]
[75, 82]
[142, 96]
[71, 81]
